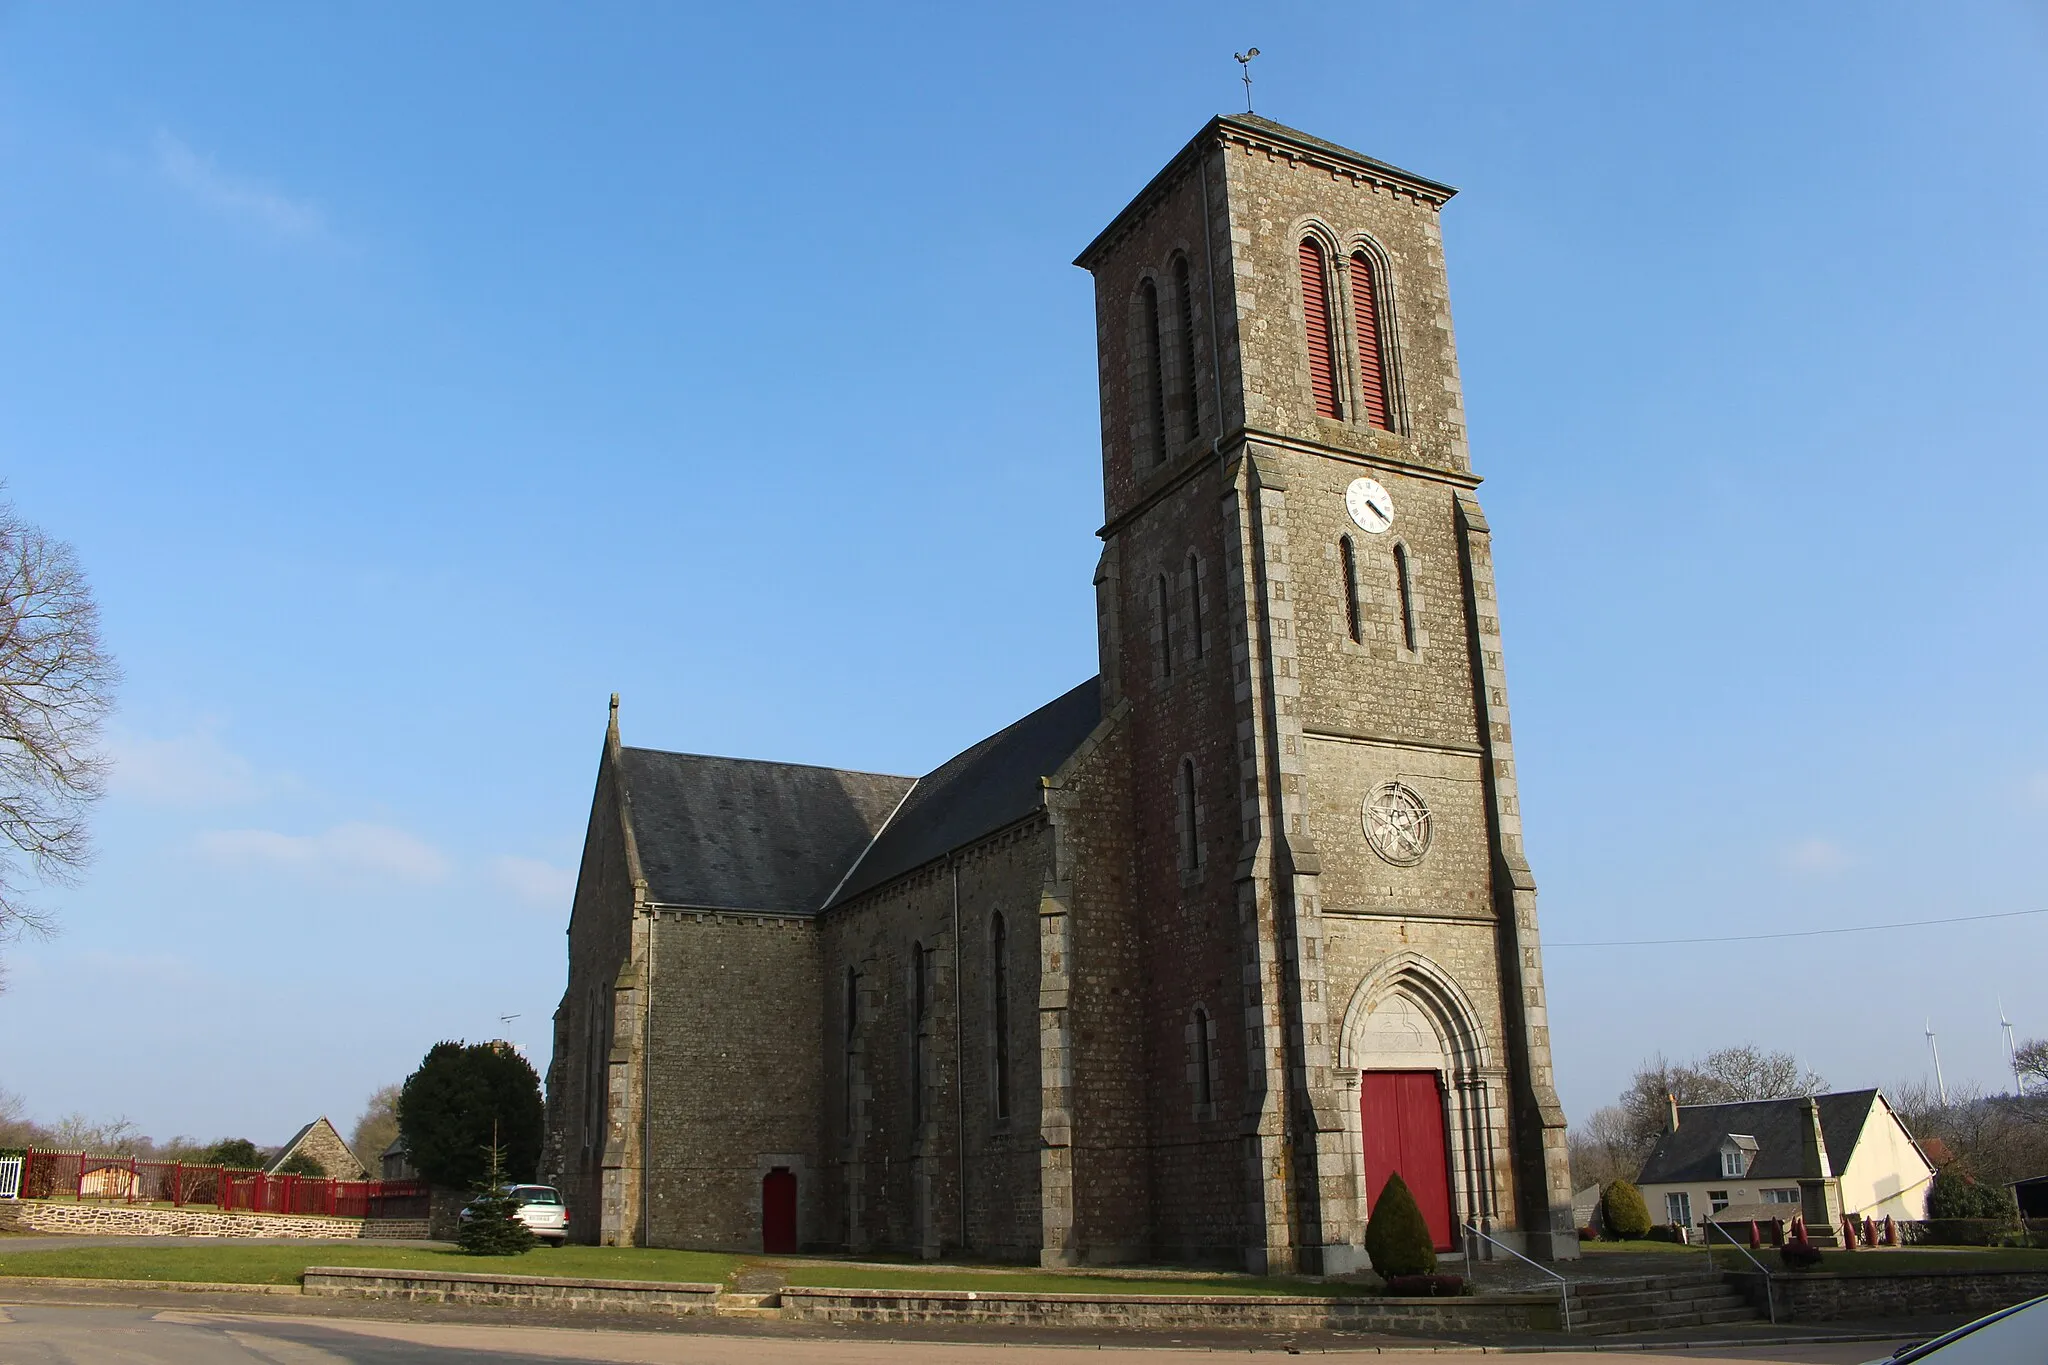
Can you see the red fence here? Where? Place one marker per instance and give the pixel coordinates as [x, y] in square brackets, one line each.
[125, 1180]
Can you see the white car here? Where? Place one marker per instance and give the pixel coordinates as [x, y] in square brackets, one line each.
[2012, 1336]
[541, 1209]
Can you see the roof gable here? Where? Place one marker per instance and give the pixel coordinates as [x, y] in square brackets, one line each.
[980, 790]
[738, 834]
[1693, 1153]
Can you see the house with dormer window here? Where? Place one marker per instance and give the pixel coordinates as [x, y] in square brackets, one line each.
[1822, 1156]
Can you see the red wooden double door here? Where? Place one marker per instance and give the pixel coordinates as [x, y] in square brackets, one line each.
[1403, 1121]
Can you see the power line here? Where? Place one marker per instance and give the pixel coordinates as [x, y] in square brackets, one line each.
[1795, 933]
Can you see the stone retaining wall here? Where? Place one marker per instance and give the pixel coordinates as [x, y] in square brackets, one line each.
[1493, 1313]
[527, 1291]
[120, 1220]
[1812, 1296]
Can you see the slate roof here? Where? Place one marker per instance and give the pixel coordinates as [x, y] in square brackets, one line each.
[992, 784]
[784, 838]
[736, 834]
[1693, 1153]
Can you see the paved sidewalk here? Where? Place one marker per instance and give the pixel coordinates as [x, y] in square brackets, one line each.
[29, 1302]
[82, 1335]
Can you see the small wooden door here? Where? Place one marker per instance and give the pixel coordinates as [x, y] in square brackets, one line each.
[1403, 1119]
[778, 1211]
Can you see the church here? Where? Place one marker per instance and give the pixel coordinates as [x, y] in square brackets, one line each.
[1183, 965]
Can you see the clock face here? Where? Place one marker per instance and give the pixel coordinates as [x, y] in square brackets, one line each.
[1370, 505]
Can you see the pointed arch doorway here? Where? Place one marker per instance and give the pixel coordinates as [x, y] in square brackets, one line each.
[1425, 1103]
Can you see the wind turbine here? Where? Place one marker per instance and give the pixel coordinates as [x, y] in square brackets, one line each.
[2012, 1054]
[1940, 1085]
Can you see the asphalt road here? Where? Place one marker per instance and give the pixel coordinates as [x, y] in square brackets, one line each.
[70, 1334]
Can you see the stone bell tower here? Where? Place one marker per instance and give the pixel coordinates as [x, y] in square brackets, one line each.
[1342, 977]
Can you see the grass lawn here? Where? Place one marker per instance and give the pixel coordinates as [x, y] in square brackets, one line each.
[229, 1262]
[232, 1263]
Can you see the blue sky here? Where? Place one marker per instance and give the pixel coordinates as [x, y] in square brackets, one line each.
[409, 379]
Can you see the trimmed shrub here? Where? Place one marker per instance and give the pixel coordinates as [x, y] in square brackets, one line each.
[301, 1164]
[1623, 1211]
[1799, 1255]
[1955, 1195]
[1396, 1237]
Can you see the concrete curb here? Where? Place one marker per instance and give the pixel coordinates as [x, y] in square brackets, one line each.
[183, 1286]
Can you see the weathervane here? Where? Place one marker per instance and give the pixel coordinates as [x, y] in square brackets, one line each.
[1244, 59]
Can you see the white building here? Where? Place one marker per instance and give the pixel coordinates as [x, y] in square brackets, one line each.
[1822, 1156]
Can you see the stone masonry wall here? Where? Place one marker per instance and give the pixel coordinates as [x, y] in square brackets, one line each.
[600, 939]
[894, 1184]
[1096, 1163]
[1822, 1297]
[337, 1161]
[733, 1071]
[117, 1220]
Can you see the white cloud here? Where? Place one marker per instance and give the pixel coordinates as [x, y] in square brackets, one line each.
[353, 849]
[231, 196]
[2037, 788]
[1817, 857]
[533, 881]
[184, 770]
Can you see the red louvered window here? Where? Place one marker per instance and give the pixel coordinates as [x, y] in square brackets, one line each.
[1365, 321]
[1322, 351]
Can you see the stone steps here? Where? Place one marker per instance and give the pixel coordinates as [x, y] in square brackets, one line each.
[1657, 1302]
[755, 1307]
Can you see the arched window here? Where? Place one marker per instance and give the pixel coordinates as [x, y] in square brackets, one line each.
[1365, 323]
[1205, 1091]
[1190, 396]
[1348, 567]
[1190, 832]
[1154, 360]
[1195, 622]
[920, 1001]
[1322, 349]
[1404, 582]
[1165, 628]
[999, 998]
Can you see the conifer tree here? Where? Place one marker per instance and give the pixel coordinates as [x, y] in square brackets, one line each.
[1396, 1237]
[494, 1227]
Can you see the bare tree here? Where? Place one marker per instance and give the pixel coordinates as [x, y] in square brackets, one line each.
[377, 1128]
[1726, 1076]
[1600, 1149]
[16, 1130]
[2030, 1060]
[56, 688]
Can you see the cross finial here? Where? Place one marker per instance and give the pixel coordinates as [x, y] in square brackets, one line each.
[1244, 60]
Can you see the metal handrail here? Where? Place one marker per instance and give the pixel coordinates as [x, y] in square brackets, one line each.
[1564, 1288]
[1770, 1298]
